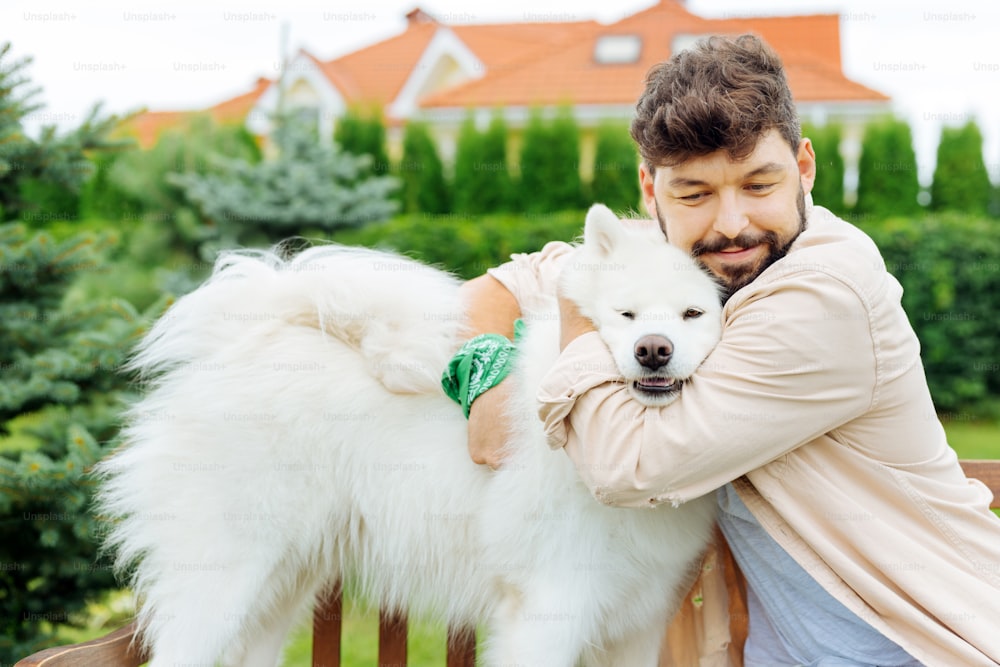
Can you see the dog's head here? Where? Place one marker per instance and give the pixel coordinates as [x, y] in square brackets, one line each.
[656, 308]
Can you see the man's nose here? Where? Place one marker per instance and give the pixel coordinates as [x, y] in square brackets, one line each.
[731, 218]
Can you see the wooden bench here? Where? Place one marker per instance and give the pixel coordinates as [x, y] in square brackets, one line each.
[115, 649]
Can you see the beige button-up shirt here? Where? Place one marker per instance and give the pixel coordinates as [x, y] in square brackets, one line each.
[815, 405]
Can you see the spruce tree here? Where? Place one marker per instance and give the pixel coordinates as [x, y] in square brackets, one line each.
[307, 187]
[40, 178]
[61, 392]
[60, 386]
[421, 172]
[887, 172]
[961, 182]
[828, 190]
[136, 182]
[616, 168]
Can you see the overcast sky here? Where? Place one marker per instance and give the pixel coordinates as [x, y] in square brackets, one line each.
[939, 61]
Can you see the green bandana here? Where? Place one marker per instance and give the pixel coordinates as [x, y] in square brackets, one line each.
[479, 365]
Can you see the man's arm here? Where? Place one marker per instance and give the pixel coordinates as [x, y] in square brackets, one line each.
[490, 308]
[796, 361]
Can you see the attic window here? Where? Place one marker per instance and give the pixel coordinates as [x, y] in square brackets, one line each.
[617, 49]
[684, 41]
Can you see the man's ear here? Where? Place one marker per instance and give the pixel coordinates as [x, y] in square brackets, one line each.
[806, 159]
[647, 179]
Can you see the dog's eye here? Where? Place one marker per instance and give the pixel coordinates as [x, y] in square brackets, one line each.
[692, 313]
[627, 314]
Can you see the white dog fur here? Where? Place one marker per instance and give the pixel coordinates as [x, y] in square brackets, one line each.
[294, 432]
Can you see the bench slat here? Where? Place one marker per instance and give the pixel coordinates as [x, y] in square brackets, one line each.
[461, 647]
[391, 639]
[327, 621]
[111, 650]
[987, 472]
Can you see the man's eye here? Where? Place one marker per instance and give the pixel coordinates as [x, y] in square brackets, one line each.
[760, 187]
[693, 313]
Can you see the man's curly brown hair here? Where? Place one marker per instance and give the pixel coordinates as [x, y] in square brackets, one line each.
[722, 94]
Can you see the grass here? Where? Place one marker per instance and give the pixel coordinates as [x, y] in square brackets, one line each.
[974, 440]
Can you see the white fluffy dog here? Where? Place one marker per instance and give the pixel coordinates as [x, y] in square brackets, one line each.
[295, 432]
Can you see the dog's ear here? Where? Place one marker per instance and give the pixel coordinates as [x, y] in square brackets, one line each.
[602, 229]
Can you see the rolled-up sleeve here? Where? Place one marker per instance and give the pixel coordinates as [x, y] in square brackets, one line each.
[533, 277]
[797, 359]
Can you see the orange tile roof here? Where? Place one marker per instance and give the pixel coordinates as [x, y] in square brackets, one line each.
[809, 45]
[377, 73]
[553, 63]
[147, 126]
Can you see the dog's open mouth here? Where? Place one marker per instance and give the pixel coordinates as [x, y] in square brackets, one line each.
[657, 385]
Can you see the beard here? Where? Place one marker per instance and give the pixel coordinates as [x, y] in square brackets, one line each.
[733, 278]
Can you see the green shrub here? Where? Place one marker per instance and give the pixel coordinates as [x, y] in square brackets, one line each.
[496, 188]
[482, 177]
[949, 267]
[361, 131]
[887, 171]
[828, 190]
[961, 182]
[467, 156]
[550, 164]
[616, 168]
[421, 173]
[466, 245]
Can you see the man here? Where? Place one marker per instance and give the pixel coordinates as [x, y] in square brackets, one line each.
[861, 541]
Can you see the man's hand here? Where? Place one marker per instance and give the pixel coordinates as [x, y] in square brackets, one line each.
[489, 426]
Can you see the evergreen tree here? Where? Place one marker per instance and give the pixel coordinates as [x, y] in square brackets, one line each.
[828, 190]
[467, 152]
[533, 163]
[616, 168]
[550, 163]
[495, 185]
[421, 172]
[60, 389]
[961, 182]
[40, 178]
[136, 183]
[482, 176]
[887, 172]
[362, 132]
[307, 187]
[60, 395]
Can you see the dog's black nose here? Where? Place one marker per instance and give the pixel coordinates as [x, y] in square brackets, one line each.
[653, 352]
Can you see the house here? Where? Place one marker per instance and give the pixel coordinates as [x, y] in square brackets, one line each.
[441, 73]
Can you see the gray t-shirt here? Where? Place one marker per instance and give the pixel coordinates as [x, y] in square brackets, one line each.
[793, 620]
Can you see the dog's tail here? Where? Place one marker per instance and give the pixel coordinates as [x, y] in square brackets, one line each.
[402, 316]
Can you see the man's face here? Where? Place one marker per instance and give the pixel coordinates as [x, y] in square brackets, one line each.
[736, 217]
